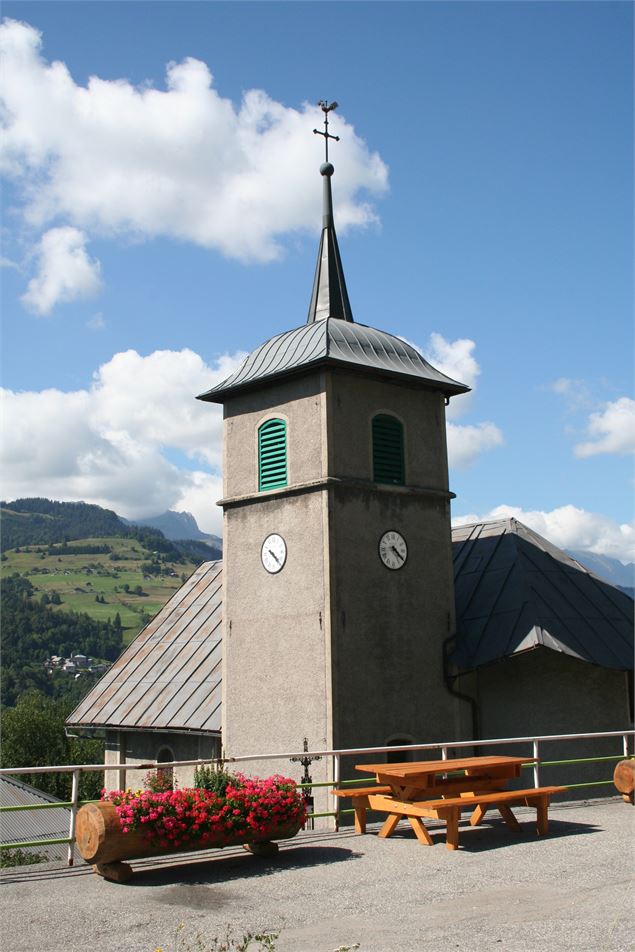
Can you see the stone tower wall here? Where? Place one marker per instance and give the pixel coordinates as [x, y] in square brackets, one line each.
[336, 647]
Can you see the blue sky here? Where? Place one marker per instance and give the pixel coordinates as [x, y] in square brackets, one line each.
[158, 225]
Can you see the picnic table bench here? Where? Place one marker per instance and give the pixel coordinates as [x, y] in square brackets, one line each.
[442, 790]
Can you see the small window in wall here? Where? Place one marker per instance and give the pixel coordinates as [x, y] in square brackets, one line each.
[165, 774]
[388, 456]
[272, 455]
[400, 756]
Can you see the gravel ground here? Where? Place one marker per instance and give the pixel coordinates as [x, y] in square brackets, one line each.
[569, 890]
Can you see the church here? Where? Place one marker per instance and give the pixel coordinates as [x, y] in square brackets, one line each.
[333, 615]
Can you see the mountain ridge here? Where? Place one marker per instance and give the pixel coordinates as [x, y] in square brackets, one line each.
[41, 521]
[178, 525]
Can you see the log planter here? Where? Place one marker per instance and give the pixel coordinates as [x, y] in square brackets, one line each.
[101, 841]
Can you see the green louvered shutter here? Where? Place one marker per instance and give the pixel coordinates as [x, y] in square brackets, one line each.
[272, 454]
[388, 462]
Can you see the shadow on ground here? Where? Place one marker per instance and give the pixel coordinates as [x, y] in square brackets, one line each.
[208, 866]
[225, 869]
[494, 835]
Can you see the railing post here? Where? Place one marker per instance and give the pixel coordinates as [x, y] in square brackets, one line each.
[625, 744]
[444, 753]
[71, 829]
[336, 783]
[536, 763]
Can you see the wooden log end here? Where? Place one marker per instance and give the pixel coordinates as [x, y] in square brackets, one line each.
[114, 872]
[624, 776]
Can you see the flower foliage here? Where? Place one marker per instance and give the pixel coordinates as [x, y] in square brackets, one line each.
[158, 781]
[250, 810]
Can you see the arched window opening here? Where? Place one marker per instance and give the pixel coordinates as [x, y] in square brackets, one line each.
[399, 756]
[272, 455]
[165, 774]
[388, 455]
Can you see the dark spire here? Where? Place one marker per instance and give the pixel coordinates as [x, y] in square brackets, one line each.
[329, 297]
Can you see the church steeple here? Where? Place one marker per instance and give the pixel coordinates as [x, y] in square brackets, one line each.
[329, 297]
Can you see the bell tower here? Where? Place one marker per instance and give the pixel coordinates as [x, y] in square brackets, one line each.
[338, 586]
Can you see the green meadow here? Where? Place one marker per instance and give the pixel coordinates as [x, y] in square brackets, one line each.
[101, 585]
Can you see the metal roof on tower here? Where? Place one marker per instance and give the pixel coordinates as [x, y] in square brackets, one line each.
[331, 342]
[330, 337]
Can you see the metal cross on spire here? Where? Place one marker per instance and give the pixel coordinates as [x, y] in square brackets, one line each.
[326, 108]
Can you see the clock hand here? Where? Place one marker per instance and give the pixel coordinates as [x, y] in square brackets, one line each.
[274, 555]
[396, 552]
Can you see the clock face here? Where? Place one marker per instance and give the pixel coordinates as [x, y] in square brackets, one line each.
[273, 553]
[393, 550]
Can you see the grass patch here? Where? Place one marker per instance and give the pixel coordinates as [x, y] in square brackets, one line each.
[101, 585]
[19, 857]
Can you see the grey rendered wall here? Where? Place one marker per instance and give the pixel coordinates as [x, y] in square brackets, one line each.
[276, 686]
[335, 647]
[137, 747]
[353, 400]
[388, 626]
[298, 401]
[545, 692]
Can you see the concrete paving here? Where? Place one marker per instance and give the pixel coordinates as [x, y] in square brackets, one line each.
[517, 893]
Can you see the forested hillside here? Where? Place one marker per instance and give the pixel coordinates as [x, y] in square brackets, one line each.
[40, 521]
[32, 632]
[76, 581]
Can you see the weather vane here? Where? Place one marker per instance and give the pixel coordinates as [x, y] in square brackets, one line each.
[326, 108]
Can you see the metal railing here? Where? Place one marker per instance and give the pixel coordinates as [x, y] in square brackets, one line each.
[443, 748]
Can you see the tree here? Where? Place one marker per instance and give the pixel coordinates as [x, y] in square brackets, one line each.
[33, 736]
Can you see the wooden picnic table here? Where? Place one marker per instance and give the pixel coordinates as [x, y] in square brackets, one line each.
[442, 777]
[442, 789]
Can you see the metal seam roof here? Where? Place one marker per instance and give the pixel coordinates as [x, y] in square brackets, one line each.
[168, 678]
[26, 826]
[332, 341]
[503, 570]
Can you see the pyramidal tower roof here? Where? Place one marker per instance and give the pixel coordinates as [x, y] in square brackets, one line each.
[329, 297]
[330, 336]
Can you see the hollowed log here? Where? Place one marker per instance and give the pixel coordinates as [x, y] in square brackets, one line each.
[101, 841]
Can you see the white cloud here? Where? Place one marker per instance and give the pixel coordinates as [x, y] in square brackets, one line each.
[183, 161]
[199, 496]
[96, 322]
[65, 272]
[611, 430]
[456, 359]
[575, 393]
[569, 528]
[8, 263]
[466, 443]
[109, 444]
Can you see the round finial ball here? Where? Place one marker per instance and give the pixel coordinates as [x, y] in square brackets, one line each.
[326, 169]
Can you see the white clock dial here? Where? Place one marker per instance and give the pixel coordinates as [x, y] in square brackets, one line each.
[393, 550]
[273, 553]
